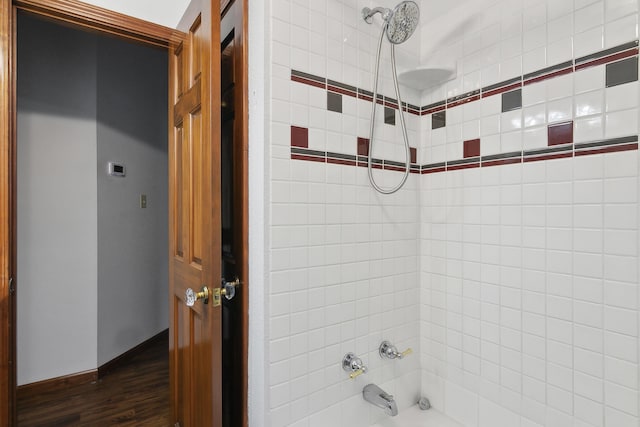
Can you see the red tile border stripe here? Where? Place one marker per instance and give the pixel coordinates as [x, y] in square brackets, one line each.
[612, 145]
[463, 166]
[628, 52]
[341, 161]
[548, 157]
[501, 90]
[308, 82]
[308, 158]
[501, 162]
[434, 170]
[434, 110]
[341, 91]
[548, 76]
[464, 101]
[609, 149]
[607, 59]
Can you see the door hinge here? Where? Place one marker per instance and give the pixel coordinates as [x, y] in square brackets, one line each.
[12, 289]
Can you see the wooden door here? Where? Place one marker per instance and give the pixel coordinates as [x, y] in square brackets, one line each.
[194, 219]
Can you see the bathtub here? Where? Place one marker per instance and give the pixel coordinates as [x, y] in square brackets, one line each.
[415, 417]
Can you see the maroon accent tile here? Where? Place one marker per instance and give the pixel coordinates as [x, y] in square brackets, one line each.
[612, 149]
[363, 146]
[341, 91]
[365, 97]
[464, 166]
[548, 157]
[391, 105]
[463, 101]
[434, 110]
[299, 137]
[471, 148]
[394, 168]
[548, 76]
[434, 170]
[501, 89]
[561, 133]
[308, 158]
[341, 161]
[610, 58]
[414, 155]
[501, 162]
[307, 82]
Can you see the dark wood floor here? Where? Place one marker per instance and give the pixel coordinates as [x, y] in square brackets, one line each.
[136, 394]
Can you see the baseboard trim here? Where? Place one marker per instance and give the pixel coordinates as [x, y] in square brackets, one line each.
[26, 391]
[129, 354]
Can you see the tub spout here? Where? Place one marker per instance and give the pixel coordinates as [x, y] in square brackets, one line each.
[378, 397]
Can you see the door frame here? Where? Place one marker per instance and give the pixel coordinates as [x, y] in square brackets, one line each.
[101, 20]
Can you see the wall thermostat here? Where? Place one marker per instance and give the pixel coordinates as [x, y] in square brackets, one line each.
[116, 169]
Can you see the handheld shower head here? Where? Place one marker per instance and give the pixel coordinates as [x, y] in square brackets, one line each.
[400, 22]
[403, 22]
[399, 25]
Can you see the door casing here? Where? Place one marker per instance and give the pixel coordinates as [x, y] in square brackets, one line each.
[95, 19]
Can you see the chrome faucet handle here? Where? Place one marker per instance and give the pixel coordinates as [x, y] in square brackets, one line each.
[353, 364]
[389, 351]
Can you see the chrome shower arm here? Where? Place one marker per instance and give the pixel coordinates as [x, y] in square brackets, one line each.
[367, 13]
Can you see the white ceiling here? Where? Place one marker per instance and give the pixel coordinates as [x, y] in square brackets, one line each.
[163, 12]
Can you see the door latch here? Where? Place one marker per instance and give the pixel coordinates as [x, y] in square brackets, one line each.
[12, 288]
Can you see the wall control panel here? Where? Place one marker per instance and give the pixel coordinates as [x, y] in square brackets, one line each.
[117, 169]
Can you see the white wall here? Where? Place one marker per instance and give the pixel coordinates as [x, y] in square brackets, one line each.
[259, 90]
[132, 242]
[57, 217]
[92, 266]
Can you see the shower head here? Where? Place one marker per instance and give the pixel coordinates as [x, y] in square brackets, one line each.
[400, 22]
[403, 22]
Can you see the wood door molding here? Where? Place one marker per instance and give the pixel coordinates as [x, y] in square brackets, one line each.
[7, 231]
[100, 19]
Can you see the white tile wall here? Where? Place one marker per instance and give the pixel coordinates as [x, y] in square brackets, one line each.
[552, 342]
[516, 285]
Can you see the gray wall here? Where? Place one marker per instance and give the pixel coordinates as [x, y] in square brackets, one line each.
[132, 242]
[92, 265]
[57, 202]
